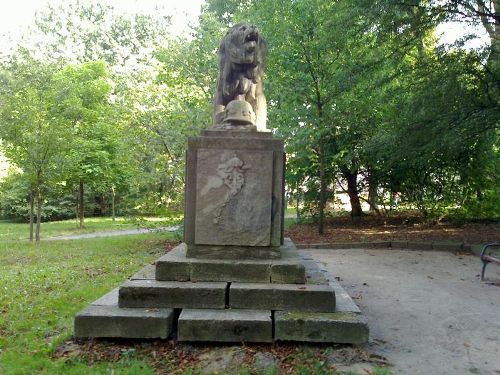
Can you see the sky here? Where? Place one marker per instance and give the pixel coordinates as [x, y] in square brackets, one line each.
[17, 15]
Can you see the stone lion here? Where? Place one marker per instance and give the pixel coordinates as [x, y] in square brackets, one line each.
[241, 69]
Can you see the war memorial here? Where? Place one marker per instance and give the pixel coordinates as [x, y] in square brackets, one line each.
[235, 278]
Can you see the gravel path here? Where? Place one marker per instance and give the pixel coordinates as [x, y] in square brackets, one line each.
[429, 312]
[124, 232]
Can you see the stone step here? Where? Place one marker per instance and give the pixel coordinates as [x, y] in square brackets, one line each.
[173, 294]
[104, 319]
[225, 325]
[176, 266]
[336, 327]
[292, 297]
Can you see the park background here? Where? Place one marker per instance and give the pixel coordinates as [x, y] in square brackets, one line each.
[389, 112]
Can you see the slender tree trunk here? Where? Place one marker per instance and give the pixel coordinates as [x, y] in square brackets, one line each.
[322, 189]
[113, 193]
[352, 191]
[372, 193]
[38, 213]
[81, 205]
[32, 213]
[297, 201]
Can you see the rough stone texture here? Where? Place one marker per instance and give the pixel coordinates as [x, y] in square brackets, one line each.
[225, 325]
[337, 327]
[293, 297]
[156, 294]
[103, 318]
[243, 271]
[221, 172]
[173, 265]
[288, 273]
[176, 266]
[145, 273]
[233, 197]
[233, 252]
[109, 299]
[343, 300]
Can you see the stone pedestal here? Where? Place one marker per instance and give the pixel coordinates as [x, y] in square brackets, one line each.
[234, 195]
[235, 279]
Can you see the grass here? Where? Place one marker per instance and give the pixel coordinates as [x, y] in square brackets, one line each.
[20, 231]
[43, 286]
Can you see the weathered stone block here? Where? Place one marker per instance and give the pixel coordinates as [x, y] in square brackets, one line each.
[156, 294]
[225, 325]
[145, 273]
[291, 297]
[242, 271]
[234, 194]
[233, 252]
[233, 197]
[173, 266]
[288, 272]
[337, 327]
[343, 301]
[103, 318]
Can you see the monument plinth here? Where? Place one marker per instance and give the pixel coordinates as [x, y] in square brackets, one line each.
[235, 278]
[234, 195]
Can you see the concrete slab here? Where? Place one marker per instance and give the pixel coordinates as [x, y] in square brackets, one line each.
[109, 299]
[288, 273]
[337, 327]
[293, 297]
[177, 266]
[225, 325]
[145, 273]
[241, 271]
[104, 319]
[156, 294]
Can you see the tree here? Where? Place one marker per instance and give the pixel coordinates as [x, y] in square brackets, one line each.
[33, 138]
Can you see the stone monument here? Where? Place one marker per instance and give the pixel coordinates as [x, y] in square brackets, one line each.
[235, 278]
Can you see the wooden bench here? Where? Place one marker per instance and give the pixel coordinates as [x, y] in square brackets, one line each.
[490, 254]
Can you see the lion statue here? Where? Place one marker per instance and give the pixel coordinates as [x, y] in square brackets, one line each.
[241, 69]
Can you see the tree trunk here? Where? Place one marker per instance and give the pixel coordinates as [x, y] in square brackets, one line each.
[32, 213]
[372, 193]
[297, 201]
[81, 205]
[38, 213]
[352, 191]
[113, 193]
[322, 189]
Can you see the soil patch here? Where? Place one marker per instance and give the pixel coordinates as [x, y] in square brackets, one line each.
[400, 228]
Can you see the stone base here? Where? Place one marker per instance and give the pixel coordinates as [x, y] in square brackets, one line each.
[178, 266]
[315, 309]
[173, 294]
[105, 319]
[225, 326]
[338, 327]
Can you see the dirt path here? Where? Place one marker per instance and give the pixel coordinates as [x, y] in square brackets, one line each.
[428, 312]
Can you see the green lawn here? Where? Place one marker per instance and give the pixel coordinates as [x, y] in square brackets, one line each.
[44, 285]
[20, 231]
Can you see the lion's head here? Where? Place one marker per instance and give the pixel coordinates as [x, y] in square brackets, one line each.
[243, 44]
